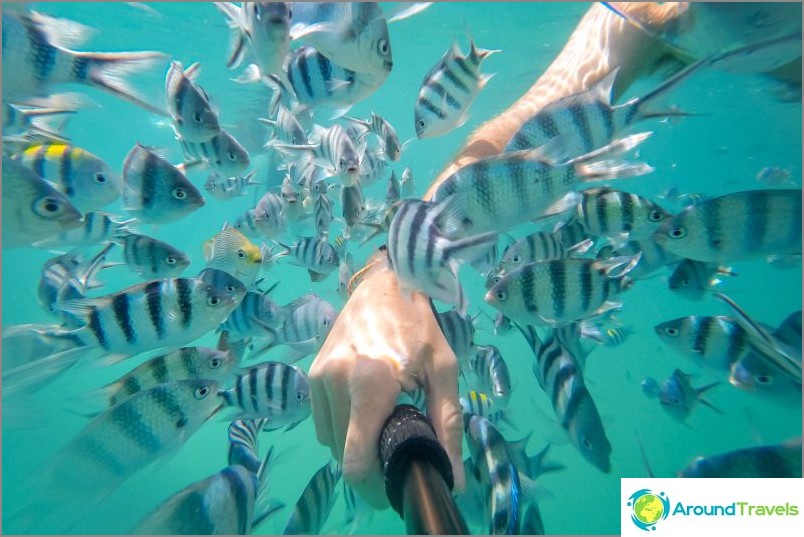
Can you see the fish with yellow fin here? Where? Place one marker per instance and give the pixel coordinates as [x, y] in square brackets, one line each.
[231, 251]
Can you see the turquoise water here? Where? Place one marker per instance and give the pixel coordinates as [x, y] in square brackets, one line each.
[741, 129]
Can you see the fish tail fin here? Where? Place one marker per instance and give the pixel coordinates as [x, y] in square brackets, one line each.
[108, 71]
[648, 105]
[480, 54]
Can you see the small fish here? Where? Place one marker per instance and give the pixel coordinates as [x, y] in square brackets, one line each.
[243, 444]
[353, 203]
[275, 391]
[380, 127]
[85, 179]
[606, 212]
[36, 122]
[270, 215]
[487, 363]
[774, 176]
[407, 185]
[448, 89]
[538, 246]
[256, 315]
[315, 503]
[351, 34]
[589, 121]
[222, 153]
[225, 188]
[154, 190]
[679, 398]
[459, 331]
[480, 404]
[561, 291]
[33, 209]
[692, 279]
[35, 50]
[286, 128]
[230, 251]
[650, 387]
[322, 212]
[740, 225]
[611, 337]
[501, 191]
[151, 258]
[423, 259]
[114, 446]
[780, 460]
[652, 256]
[94, 228]
[502, 324]
[332, 150]
[561, 378]
[316, 254]
[264, 27]
[393, 191]
[372, 166]
[713, 342]
[346, 269]
[188, 104]
[69, 276]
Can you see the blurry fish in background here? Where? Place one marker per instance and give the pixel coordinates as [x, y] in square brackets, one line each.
[94, 228]
[652, 257]
[315, 503]
[194, 118]
[114, 446]
[389, 141]
[21, 122]
[224, 188]
[331, 149]
[230, 251]
[151, 258]
[774, 176]
[448, 90]
[740, 225]
[30, 35]
[286, 128]
[154, 191]
[32, 209]
[587, 120]
[679, 398]
[780, 460]
[406, 183]
[317, 255]
[692, 279]
[257, 315]
[353, 206]
[269, 218]
[263, 29]
[393, 191]
[221, 153]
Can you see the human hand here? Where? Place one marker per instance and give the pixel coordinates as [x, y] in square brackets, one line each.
[383, 343]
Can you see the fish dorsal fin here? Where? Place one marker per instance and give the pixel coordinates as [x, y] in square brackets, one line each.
[602, 91]
[62, 33]
[193, 71]
[554, 151]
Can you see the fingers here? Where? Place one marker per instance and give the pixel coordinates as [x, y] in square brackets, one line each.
[322, 418]
[375, 389]
[443, 407]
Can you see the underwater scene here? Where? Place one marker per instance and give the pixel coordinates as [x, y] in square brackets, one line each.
[222, 223]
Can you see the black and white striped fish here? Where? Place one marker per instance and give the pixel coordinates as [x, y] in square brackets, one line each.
[316, 254]
[652, 256]
[243, 444]
[222, 153]
[561, 291]
[36, 122]
[114, 446]
[261, 27]
[353, 204]
[272, 390]
[589, 121]
[393, 191]
[480, 404]
[35, 50]
[780, 460]
[256, 315]
[69, 276]
[423, 259]
[332, 150]
[315, 503]
[188, 104]
[487, 363]
[151, 258]
[154, 190]
[270, 215]
[560, 376]
[94, 228]
[692, 279]
[286, 128]
[538, 246]
[380, 127]
[225, 188]
[501, 191]
[448, 89]
[678, 397]
[459, 331]
[740, 225]
[607, 212]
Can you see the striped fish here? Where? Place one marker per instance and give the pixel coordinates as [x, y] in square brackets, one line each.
[487, 363]
[256, 315]
[188, 104]
[275, 391]
[35, 50]
[353, 204]
[372, 166]
[560, 376]
[34, 210]
[679, 398]
[423, 259]
[232, 252]
[779, 460]
[160, 313]
[448, 90]
[316, 502]
[322, 211]
[561, 291]
[93, 228]
[270, 215]
[501, 191]
[261, 27]
[589, 121]
[607, 212]
[712, 342]
[33, 123]
[380, 127]
[154, 190]
[87, 181]
[222, 153]
[243, 445]
[652, 256]
[316, 254]
[459, 331]
[741, 225]
[538, 246]
[150, 258]
[225, 188]
[68, 276]
[407, 184]
[393, 191]
[692, 279]
[496, 473]
[286, 128]
[114, 446]
[480, 404]
[330, 149]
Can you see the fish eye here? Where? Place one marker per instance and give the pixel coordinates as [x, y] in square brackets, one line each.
[422, 124]
[201, 392]
[300, 396]
[170, 260]
[232, 156]
[686, 282]
[382, 46]
[675, 401]
[655, 216]
[501, 295]
[197, 117]
[230, 288]
[241, 254]
[48, 207]
[100, 178]
[213, 301]
[670, 331]
[215, 363]
[342, 163]
[179, 193]
[678, 233]
[516, 260]
[586, 443]
[763, 379]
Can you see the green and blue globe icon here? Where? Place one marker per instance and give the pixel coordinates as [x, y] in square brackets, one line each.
[648, 508]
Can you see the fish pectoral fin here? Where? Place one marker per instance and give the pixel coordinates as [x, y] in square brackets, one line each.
[710, 405]
[299, 31]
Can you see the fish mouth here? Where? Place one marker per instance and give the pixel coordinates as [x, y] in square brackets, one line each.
[352, 169]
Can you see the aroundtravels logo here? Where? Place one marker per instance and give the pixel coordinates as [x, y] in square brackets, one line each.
[648, 508]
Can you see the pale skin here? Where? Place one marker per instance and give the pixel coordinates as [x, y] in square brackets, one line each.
[386, 341]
